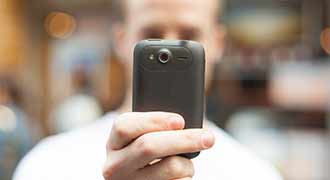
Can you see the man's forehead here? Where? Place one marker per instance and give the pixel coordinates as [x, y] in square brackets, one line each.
[172, 2]
[209, 6]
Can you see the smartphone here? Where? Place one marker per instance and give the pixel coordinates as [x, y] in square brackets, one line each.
[168, 75]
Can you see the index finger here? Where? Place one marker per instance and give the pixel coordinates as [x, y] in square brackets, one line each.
[158, 145]
[130, 126]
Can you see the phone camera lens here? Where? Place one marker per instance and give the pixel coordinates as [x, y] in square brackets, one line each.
[164, 56]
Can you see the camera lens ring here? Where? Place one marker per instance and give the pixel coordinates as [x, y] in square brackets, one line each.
[164, 56]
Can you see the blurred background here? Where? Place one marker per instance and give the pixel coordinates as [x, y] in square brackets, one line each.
[271, 91]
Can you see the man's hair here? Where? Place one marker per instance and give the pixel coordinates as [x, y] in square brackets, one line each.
[118, 10]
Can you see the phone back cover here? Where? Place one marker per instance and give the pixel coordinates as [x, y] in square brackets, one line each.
[171, 90]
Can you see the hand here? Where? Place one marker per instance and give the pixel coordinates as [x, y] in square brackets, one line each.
[143, 146]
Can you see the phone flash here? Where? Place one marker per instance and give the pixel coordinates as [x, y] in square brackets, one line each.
[151, 57]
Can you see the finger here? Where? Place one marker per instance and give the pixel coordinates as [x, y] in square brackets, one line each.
[174, 167]
[187, 178]
[129, 126]
[157, 145]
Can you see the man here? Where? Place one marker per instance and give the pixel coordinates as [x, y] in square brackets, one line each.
[138, 140]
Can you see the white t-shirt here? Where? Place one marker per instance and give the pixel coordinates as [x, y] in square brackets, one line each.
[80, 155]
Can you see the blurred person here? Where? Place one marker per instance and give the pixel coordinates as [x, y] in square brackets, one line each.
[79, 109]
[138, 140]
[15, 138]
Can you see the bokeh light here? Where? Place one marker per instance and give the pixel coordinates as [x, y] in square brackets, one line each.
[60, 25]
[325, 40]
[264, 27]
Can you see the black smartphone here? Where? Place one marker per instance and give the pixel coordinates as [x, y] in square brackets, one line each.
[168, 75]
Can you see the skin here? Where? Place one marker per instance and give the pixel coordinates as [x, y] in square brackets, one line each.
[139, 140]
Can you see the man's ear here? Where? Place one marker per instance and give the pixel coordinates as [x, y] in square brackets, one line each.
[220, 34]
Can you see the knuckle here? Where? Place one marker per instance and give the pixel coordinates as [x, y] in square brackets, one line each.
[110, 168]
[107, 173]
[190, 137]
[193, 138]
[191, 169]
[145, 146]
[157, 121]
[176, 165]
[120, 129]
[180, 166]
[114, 166]
[160, 120]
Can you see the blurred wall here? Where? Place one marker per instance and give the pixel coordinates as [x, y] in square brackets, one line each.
[12, 35]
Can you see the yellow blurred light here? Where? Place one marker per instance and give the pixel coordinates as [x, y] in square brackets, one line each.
[60, 25]
[325, 40]
[265, 27]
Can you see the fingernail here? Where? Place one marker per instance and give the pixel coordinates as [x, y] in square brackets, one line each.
[176, 122]
[207, 139]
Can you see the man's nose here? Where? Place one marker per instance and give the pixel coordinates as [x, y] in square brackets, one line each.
[171, 35]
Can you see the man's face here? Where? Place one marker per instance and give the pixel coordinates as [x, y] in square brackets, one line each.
[171, 19]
